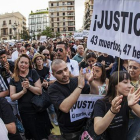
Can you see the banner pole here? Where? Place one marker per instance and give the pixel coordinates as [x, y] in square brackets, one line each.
[118, 71]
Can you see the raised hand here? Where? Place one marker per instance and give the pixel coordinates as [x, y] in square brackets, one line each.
[7, 67]
[81, 79]
[133, 97]
[115, 104]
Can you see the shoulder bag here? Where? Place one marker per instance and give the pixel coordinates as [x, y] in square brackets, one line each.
[41, 102]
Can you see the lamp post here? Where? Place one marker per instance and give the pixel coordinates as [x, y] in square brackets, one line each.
[14, 26]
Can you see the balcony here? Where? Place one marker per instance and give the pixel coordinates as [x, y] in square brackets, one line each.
[3, 35]
[70, 4]
[4, 25]
[38, 22]
[70, 9]
[44, 21]
[33, 23]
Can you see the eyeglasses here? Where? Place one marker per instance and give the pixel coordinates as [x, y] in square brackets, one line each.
[98, 64]
[59, 49]
[46, 54]
[133, 67]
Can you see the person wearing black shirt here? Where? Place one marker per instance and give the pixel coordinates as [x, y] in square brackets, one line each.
[44, 77]
[111, 114]
[6, 114]
[107, 61]
[24, 85]
[64, 94]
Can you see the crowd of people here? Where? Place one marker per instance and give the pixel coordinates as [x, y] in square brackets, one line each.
[65, 69]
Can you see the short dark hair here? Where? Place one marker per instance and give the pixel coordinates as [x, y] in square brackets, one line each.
[2, 51]
[26, 45]
[65, 45]
[19, 42]
[41, 48]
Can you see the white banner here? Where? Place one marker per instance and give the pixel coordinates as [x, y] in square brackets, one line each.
[43, 38]
[85, 33]
[78, 35]
[115, 28]
[83, 107]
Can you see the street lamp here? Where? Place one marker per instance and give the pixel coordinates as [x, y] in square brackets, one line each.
[14, 28]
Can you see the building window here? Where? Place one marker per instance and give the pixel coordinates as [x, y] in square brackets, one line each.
[4, 22]
[52, 25]
[5, 31]
[63, 14]
[10, 31]
[52, 19]
[57, 3]
[51, 4]
[58, 30]
[9, 21]
[51, 13]
[57, 14]
[57, 24]
[63, 23]
[57, 19]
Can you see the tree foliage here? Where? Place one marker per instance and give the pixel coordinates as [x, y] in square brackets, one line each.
[48, 32]
[25, 35]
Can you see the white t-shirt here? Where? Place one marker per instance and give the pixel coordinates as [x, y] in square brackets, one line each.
[3, 131]
[72, 66]
[14, 56]
[75, 47]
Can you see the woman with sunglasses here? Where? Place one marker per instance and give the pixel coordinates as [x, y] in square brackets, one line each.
[111, 114]
[97, 78]
[96, 75]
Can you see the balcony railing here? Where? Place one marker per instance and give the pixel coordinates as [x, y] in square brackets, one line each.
[4, 25]
[4, 34]
[32, 23]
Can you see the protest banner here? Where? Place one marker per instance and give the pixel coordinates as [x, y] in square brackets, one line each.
[83, 107]
[85, 33]
[115, 28]
[78, 35]
[42, 38]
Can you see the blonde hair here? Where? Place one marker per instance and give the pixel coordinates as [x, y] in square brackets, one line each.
[16, 69]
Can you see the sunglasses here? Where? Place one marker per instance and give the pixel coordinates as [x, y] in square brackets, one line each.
[133, 67]
[46, 54]
[98, 64]
[59, 49]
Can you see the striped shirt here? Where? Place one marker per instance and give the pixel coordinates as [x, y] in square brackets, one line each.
[3, 86]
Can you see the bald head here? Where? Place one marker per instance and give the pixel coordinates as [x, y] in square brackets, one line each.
[56, 62]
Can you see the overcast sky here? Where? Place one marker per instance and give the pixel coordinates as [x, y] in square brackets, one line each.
[25, 7]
